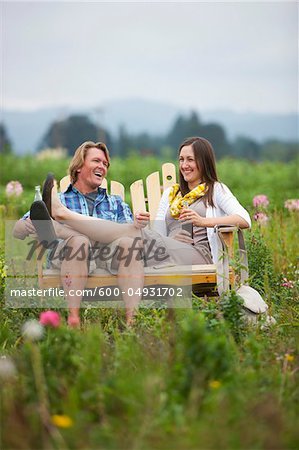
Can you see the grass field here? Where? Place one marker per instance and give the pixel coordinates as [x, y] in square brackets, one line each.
[198, 378]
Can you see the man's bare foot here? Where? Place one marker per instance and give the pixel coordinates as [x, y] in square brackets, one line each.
[73, 321]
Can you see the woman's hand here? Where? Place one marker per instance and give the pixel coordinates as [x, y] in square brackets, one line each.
[190, 216]
[141, 219]
[183, 236]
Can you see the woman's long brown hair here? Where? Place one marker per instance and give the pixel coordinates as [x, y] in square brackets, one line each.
[205, 160]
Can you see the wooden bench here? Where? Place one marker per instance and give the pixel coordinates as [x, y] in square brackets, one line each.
[202, 277]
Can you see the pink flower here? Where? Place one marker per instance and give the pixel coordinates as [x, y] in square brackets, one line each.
[14, 188]
[292, 204]
[287, 283]
[261, 218]
[50, 318]
[260, 200]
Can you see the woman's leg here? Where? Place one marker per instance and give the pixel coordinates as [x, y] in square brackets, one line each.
[104, 231]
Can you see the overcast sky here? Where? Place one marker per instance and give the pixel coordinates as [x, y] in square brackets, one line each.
[240, 56]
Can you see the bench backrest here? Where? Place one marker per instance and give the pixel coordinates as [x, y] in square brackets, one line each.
[141, 200]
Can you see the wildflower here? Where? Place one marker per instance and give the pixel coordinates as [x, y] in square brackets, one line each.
[260, 200]
[287, 283]
[32, 330]
[50, 318]
[62, 421]
[292, 204]
[215, 384]
[14, 188]
[289, 357]
[261, 218]
[7, 368]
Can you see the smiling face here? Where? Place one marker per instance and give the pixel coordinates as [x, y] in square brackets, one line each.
[188, 167]
[94, 169]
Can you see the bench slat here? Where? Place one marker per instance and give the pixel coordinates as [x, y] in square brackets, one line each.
[168, 175]
[153, 193]
[64, 183]
[117, 188]
[137, 196]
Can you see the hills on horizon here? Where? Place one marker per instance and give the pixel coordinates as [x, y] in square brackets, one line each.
[26, 128]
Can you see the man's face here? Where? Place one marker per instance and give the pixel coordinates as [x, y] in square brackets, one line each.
[94, 169]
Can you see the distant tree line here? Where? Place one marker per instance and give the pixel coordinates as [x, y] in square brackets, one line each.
[69, 133]
[5, 143]
[79, 128]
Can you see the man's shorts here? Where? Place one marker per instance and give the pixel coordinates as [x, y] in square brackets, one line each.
[101, 256]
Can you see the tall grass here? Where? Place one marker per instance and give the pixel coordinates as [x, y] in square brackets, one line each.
[180, 379]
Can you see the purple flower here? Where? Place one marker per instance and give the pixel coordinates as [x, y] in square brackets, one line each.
[287, 283]
[14, 188]
[261, 218]
[292, 204]
[260, 200]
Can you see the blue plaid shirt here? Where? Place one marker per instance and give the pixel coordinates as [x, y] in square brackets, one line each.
[109, 207]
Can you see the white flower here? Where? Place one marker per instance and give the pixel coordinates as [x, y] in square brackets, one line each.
[32, 330]
[7, 368]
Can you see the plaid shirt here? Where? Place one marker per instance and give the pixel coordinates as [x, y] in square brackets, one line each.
[108, 207]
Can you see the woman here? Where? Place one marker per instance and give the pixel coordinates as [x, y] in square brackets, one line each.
[200, 199]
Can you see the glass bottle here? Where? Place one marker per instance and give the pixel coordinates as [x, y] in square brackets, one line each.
[38, 195]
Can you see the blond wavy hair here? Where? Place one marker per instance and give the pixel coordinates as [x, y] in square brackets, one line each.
[80, 155]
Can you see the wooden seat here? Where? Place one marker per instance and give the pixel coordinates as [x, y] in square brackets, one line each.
[204, 276]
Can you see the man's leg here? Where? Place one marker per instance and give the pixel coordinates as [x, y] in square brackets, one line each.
[130, 276]
[74, 273]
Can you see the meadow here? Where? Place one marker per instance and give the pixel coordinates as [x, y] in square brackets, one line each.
[197, 378]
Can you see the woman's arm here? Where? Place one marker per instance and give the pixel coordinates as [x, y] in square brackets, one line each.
[230, 205]
[234, 213]
[188, 215]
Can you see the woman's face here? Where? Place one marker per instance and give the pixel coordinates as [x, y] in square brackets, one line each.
[188, 167]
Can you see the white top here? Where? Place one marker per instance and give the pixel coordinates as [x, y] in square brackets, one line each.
[225, 203]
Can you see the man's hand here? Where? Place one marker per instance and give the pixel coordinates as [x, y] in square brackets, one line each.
[141, 219]
[183, 236]
[23, 228]
[29, 227]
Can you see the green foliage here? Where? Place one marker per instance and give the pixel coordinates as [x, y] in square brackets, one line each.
[180, 379]
[246, 179]
[201, 355]
[260, 261]
[231, 307]
[29, 170]
[277, 180]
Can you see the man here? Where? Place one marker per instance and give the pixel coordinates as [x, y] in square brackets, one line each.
[84, 195]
